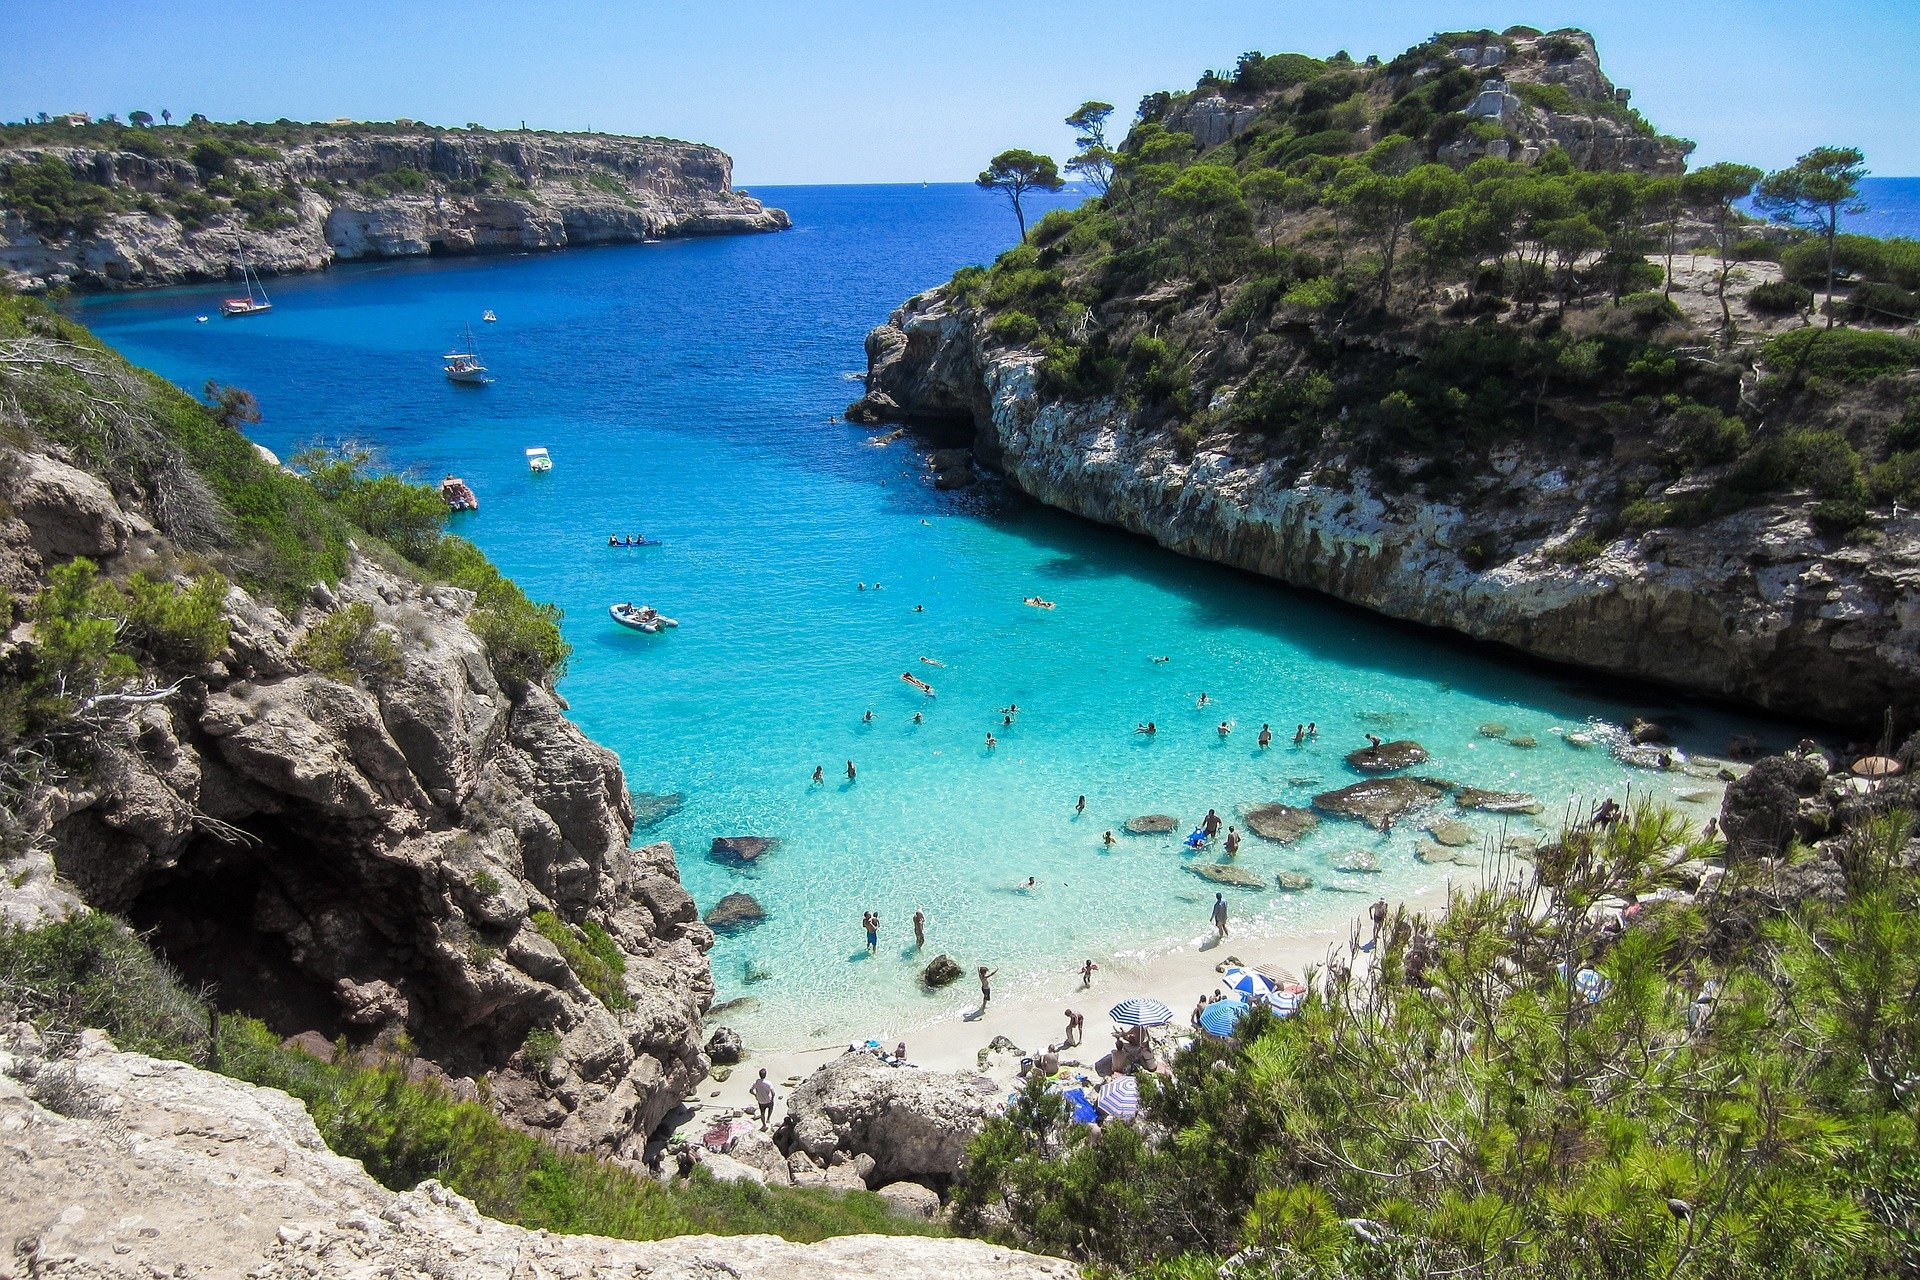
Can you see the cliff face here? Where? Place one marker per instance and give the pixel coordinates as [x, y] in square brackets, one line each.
[1754, 606]
[342, 195]
[390, 858]
[125, 1166]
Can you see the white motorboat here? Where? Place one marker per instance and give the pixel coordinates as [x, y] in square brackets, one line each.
[464, 366]
[489, 317]
[538, 460]
[641, 617]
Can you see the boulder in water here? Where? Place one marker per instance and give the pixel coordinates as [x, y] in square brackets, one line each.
[735, 912]
[1292, 881]
[1152, 824]
[1493, 731]
[1355, 860]
[1497, 801]
[741, 850]
[1378, 802]
[1451, 832]
[1645, 732]
[1429, 852]
[1524, 741]
[941, 971]
[1281, 823]
[1388, 756]
[1227, 874]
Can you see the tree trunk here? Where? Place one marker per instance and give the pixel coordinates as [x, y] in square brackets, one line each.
[1833, 230]
[1019, 214]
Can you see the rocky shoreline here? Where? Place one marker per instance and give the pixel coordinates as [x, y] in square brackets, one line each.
[348, 195]
[1756, 607]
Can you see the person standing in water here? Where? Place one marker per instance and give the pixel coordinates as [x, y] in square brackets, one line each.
[1081, 807]
[1107, 839]
[1266, 736]
[850, 771]
[1313, 730]
[919, 928]
[1233, 842]
[873, 932]
[1210, 824]
[986, 987]
[819, 775]
[1220, 914]
[1087, 971]
[1300, 733]
[990, 742]
[867, 718]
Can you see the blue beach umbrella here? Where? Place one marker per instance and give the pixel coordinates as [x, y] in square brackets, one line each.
[1219, 1018]
[1248, 982]
[1284, 1003]
[1141, 1012]
[1120, 1097]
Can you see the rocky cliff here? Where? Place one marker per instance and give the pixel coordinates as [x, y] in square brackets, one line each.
[130, 208]
[122, 1166]
[1756, 606]
[411, 854]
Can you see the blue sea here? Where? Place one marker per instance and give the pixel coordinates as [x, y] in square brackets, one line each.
[688, 391]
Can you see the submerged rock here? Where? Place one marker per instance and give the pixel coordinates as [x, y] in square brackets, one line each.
[1292, 881]
[941, 971]
[735, 912]
[1354, 860]
[1281, 823]
[1151, 824]
[741, 849]
[1378, 802]
[1497, 801]
[1228, 874]
[1493, 731]
[1388, 756]
[1451, 832]
[1429, 852]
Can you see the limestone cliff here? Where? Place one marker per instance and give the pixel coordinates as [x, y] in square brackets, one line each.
[122, 1166]
[414, 853]
[1755, 606]
[156, 207]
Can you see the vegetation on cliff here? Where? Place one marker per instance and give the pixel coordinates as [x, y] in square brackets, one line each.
[1723, 1088]
[1406, 265]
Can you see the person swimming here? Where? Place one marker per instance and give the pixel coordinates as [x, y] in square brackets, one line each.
[1006, 722]
[1149, 728]
[850, 771]
[819, 775]
[1203, 701]
[917, 717]
[1225, 728]
[1082, 806]
[867, 718]
[1266, 736]
[612, 540]
[933, 662]
[1107, 839]
[991, 742]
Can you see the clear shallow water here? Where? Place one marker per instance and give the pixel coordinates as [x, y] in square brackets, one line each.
[685, 390]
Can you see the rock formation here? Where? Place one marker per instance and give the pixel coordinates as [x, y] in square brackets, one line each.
[912, 1124]
[1755, 606]
[356, 192]
[153, 1168]
[411, 852]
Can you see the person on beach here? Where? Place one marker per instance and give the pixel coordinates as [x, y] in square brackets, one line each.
[900, 1054]
[1266, 736]
[1300, 733]
[850, 771]
[1107, 839]
[986, 987]
[819, 775]
[762, 1091]
[1220, 915]
[1199, 1007]
[1072, 1018]
[873, 932]
[1081, 807]
[1233, 842]
[1378, 913]
[919, 928]
[1210, 824]
[1087, 971]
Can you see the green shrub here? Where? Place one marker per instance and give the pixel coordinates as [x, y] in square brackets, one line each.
[1581, 549]
[1014, 327]
[1780, 297]
[1840, 355]
[349, 643]
[1645, 513]
[1854, 257]
[1897, 479]
[541, 1046]
[1755, 249]
[1822, 462]
[89, 970]
[175, 626]
[591, 954]
[1706, 436]
[1882, 304]
[52, 200]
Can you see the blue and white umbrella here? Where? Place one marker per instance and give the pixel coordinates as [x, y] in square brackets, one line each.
[1141, 1012]
[1120, 1097]
[1248, 982]
[1219, 1018]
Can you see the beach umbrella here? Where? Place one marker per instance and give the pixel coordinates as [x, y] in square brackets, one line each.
[1120, 1097]
[1219, 1018]
[1141, 1012]
[1876, 767]
[1248, 982]
[1284, 1003]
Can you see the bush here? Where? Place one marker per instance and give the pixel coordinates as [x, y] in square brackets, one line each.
[592, 955]
[53, 201]
[1705, 435]
[1882, 304]
[1840, 355]
[1016, 327]
[89, 970]
[1581, 549]
[1780, 297]
[175, 626]
[1822, 462]
[1755, 249]
[349, 643]
[1897, 479]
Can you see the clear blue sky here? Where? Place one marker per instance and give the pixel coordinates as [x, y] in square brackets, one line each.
[909, 91]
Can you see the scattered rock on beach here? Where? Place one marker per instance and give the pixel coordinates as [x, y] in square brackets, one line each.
[724, 1047]
[1378, 802]
[1497, 801]
[1643, 732]
[941, 971]
[741, 849]
[1282, 823]
[735, 912]
[1388, 756]
[1451, 832]
[1227, 874]
[911, 1200]
[1152, 824]
[1355, 860]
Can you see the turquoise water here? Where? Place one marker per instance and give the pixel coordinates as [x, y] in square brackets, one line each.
[685, 390]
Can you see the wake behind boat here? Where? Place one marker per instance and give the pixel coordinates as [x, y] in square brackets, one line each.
[641, 617]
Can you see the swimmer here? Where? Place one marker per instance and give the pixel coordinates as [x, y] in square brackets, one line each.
[917, 717]
[1300, 733]
[850, 771]
[1225, 728]
[867, 718]
[991, 743]
[1233, 842]
[1162, 658]
[612, 541]
[933, 662]
[1148, 728]
[1011, 709]
[819, 775]
[1107, 839]
[1082, 806]
[1006, 721]
[1210, 824]
[1030, 884]
[1266, 736]
[860, 587]
[919, 608]
[1202, 702]
[1313, 730]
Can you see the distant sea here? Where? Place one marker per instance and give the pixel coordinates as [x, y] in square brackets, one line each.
[1893, 208]
[688, 391]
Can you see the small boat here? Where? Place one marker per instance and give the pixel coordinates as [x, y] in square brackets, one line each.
[634, 542]
[256, 300]
[641, 617]
[458, 496]
[464, 366]
[489, 317]
[199, 319]
[538, 460]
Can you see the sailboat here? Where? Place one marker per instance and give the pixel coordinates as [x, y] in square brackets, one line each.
[464, 366]
[249, 305]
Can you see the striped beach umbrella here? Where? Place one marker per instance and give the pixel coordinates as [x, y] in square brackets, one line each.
[1248, 982]
[1120, 1098]
[1141, 1012]
[1219, 1018]
[1284, 1003]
